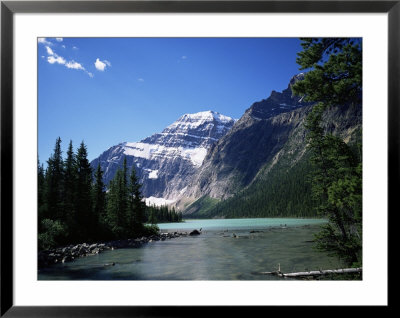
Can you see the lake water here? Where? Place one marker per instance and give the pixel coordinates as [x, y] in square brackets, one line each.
[227, 249]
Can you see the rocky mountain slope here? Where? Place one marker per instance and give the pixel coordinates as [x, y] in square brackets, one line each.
[165, 162]
[255, 139]
[263, 153]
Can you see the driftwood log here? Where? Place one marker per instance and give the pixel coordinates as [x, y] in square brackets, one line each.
[324, 272]
[313, 273]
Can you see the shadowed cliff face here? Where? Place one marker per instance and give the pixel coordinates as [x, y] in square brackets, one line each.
[263, 136]
[234, 161]
[256, 137]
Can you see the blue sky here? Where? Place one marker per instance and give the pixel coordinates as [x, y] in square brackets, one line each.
[104, 91]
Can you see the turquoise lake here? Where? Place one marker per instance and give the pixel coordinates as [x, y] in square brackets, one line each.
[232, 224]
[227, 249]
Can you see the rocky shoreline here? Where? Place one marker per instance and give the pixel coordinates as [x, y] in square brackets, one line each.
[71, 252]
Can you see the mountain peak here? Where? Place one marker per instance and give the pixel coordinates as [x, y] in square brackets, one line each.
[278, 102]
[295, 78]
[165, 162]
[208, 115]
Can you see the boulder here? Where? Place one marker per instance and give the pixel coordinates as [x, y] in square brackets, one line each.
[96, 251]
[92, 247]
[194, 232]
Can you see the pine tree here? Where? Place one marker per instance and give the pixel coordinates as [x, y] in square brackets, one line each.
[83, 203]
[152, 216]
[117, 206]
[335, 80]
[336, 180]
[99, 203]
[55, 184]
[70, 191]
[112, 207]
[124, 200]
[52, 230]
[137, 206]
[41, 183]
[336, 71]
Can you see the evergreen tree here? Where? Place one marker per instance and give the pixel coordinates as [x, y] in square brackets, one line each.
[136, 204]
[335, 80]
[41, 183]
[83, 203]
[52, 230]
[123, 197]
[152, 217]
[55, 184]
[337, 167]
[99, 203]
[70, 191]
[335, 77]
[154, 214]
[111, 207]
[116, 206]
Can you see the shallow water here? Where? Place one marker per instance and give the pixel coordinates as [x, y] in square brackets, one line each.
[227, 249]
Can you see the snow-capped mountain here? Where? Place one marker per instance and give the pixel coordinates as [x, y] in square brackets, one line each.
[166, 161]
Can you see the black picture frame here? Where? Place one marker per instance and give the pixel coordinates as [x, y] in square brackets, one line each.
[8, 8]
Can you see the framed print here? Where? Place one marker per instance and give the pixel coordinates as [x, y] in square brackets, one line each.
[158, 156]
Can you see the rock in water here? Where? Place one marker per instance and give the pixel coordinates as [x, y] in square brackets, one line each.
[194, 232]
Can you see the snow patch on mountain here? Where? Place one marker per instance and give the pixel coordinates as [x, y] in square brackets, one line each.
[152, 174]
[151, 151]
[140, 150]
[158, 201]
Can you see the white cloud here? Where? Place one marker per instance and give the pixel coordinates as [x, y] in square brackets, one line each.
[140, 80]
[63, 46]
[49, 51]
[56, 59]
[74, 65]
[53, 58]
[59, 39]
[74, 47]
[183, 57]
[44, 41]
[101, 65]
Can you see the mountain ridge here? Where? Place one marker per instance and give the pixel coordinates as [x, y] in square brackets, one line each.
[264, 138]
